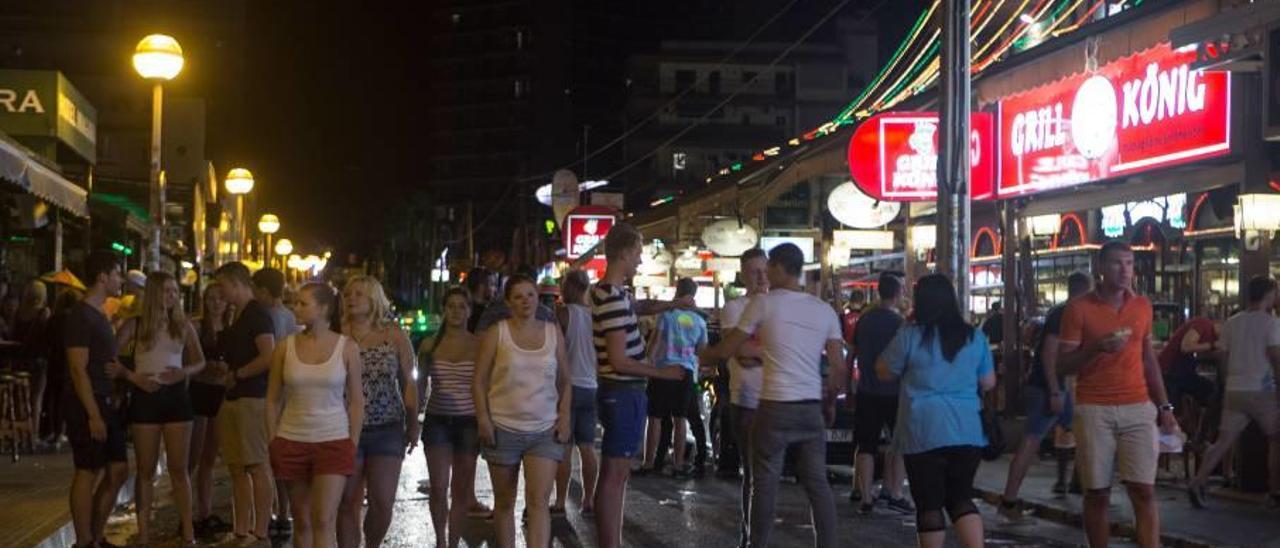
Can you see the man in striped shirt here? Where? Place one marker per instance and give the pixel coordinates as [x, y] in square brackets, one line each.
[623, 376]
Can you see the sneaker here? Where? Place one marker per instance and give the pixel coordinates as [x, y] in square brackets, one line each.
[901, 504]
[855, 496]
[1011, 510]
[883, 496]
[1197, 496]
[865, 509]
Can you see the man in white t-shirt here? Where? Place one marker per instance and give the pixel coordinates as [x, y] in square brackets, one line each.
[745, 372]
[794, 329]
[1250, 343]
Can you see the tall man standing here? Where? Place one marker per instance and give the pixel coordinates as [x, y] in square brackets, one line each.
[1106, 337]
[794, 329]
[622, 378]
[746, 375]
[95, 426]
[246, 345]
[876, 404]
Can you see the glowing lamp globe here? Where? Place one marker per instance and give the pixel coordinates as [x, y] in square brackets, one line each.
[158, 57]
[239, 181]
[284, 247]
[268, 224]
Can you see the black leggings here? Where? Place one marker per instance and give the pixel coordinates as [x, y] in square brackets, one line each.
[942, 479]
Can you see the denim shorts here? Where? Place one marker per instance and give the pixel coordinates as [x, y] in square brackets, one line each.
[458, 431]
[1040, 420]
[382, 440]
[623, 409]
[583, 415]
[509, 448]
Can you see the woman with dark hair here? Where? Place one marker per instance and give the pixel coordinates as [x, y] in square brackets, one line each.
[449, 430]
[65, 300]
[943, 363]
[29, 329]
[166, 352]
[522, 400]
[208, 388]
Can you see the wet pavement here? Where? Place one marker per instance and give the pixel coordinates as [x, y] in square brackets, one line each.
[661, 511]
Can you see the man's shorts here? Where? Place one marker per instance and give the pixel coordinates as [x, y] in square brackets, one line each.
[668, 398]
[297, 460]
[622, 408]
[457, 431]
[583, 415]
[382, 440]
[87, 453]
[510, 448]
[1239, 407]
[872, 415]
[1116, 440]
[1040, 420]
[242, 431]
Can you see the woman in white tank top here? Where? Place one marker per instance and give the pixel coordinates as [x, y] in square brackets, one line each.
[166, 352]
[522, 393]
[315, 409]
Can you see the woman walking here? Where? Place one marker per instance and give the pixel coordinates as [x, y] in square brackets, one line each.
[449, 429]
[575, 319]
[390, 411]
[315, 408]
[166, 352]
[207, 390]
[943, 361]
[522, 397]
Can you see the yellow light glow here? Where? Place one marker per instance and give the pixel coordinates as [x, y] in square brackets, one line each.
[1260, 211]
[269, 223]
[924, 236]
[284, 247]
[1044, 225]
[158, 57]
[239, 181]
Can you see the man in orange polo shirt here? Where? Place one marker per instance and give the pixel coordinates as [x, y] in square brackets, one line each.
[1120, 396]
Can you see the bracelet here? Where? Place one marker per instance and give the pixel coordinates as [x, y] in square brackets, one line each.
[1166, 407]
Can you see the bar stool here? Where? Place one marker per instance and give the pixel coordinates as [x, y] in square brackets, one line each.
[24, 415]
[8, 424]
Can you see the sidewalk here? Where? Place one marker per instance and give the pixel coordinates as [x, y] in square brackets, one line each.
[33, 498]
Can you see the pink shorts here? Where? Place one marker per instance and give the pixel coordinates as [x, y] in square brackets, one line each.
[296, 460]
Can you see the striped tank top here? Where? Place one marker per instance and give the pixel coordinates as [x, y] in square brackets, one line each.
[451, 384]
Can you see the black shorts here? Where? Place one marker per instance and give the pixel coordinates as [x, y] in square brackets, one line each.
[171, 403]
[206, 398]
[873, 415]
[87, 453]
[943, 479]
[668, 398]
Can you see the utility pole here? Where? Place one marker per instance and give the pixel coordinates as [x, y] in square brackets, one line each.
[953, 150]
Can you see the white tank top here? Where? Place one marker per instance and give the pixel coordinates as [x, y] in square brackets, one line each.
[580, 347]
[166, 353]
[522, 386]
[315, 406]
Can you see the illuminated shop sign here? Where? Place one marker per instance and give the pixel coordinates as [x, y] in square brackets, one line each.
[586, 226]
[894, 156]
[854, 208]
[1117, 218]
[1139, 113]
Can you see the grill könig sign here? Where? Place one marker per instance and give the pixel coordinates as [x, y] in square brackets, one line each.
[893, 156]
[1138, 113]
[586, 226]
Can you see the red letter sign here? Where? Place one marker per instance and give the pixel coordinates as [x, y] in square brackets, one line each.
[893, 156]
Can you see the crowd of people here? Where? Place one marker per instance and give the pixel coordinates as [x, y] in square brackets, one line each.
[311, 401]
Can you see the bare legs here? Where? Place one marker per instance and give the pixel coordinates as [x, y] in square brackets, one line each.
[146, 444]
[314, 506]
[379, 475]
[614, 473]
[93, 495]
[590, 471]
[504, 480]
[177, 439]
[252, 491]
[539, 480]
[146, 448]
[203, 456]
[652, 432]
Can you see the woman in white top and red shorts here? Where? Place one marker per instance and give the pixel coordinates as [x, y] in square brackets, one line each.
[522, 392]
[315, 409]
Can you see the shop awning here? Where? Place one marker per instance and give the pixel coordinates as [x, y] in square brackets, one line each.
[19, 167]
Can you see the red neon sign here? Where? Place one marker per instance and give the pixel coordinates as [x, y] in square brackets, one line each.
[893, 156]
[586, 226]
[1139, 113]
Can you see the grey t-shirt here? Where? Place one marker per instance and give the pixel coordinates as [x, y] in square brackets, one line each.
[282, 321]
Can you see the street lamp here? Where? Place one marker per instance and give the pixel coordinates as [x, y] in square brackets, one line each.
[268, 224]
[239, 182]
[283, 248]
[158, 58]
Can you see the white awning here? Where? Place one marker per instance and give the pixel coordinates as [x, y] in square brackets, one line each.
[18, 167]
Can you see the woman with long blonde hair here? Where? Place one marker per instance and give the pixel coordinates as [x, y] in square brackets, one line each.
[390, 411]
[166, 352]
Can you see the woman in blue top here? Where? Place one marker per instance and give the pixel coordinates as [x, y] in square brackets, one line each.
[943, 361]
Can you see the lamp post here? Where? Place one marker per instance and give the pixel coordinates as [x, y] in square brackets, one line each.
[268, 224]
[158, 58]
[239, 182]
[283, 248]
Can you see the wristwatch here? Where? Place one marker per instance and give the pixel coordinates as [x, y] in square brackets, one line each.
[1166, 407]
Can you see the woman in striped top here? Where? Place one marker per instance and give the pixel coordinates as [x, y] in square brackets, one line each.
[449, 431]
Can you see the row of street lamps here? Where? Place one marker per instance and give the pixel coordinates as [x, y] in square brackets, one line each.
[158, 58]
